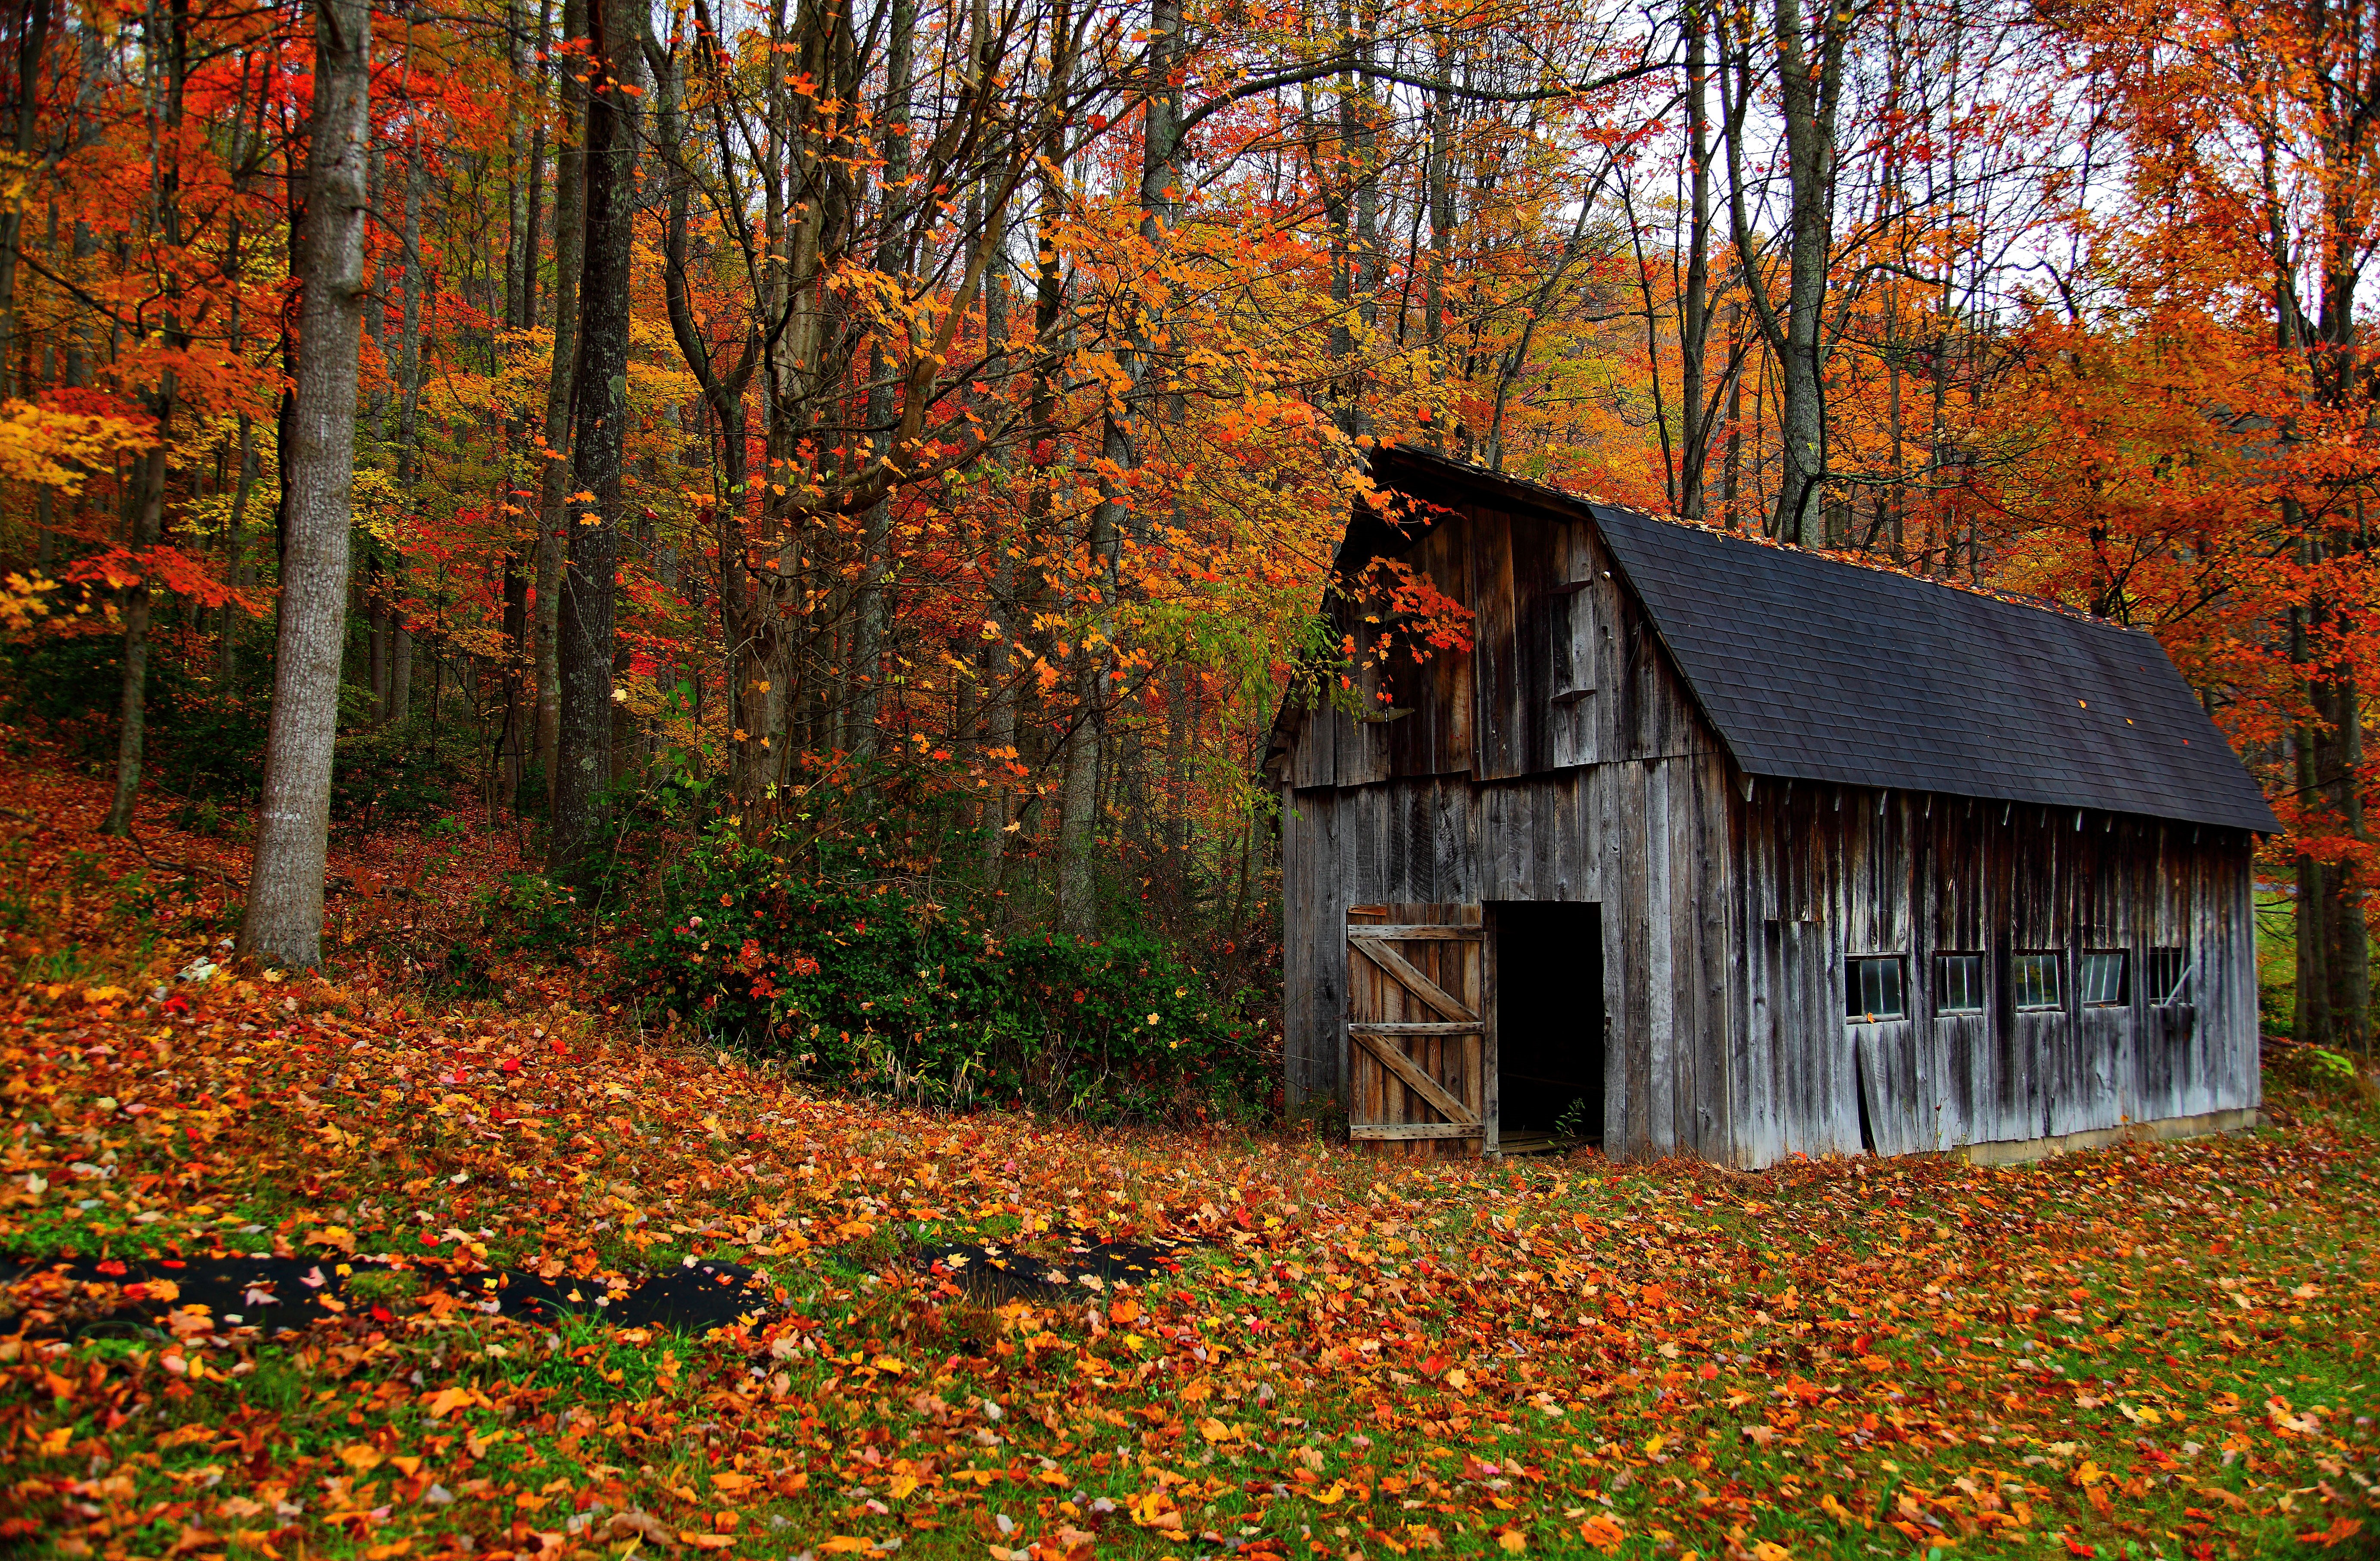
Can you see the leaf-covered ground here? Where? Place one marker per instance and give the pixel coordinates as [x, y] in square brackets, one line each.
[2157, 1351]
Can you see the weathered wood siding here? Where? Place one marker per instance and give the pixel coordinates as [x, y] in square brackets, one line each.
[1556, 677]
[1647, 840]
[1832, 873]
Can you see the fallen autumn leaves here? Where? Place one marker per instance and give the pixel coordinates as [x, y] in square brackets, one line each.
[2164, 1348]
[2156, 1351]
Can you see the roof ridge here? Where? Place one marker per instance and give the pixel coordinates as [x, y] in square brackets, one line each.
[1830, 555]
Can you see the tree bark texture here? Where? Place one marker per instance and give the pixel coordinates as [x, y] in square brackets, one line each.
[599, 415]
[873, 628]
[569, 242]
[1810, 85]
[131, 736]
[283, 920]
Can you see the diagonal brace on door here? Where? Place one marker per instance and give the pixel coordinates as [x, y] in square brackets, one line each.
[1411, 980]
[1392, 1057]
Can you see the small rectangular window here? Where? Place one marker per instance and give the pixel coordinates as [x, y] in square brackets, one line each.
[1875, 989]
[2169, 975]
[2103, 978]
[2035, 977]
[1960, 987]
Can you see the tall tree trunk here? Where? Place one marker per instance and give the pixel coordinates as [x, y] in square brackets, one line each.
[395, 675]
[283, 921]
[408, 342]
[525, 318]
[998, 650]
[1809, 87]
[517, 275]
[1694, 309]
[553, 523]
[1810, 79]
[375, 605]
[1437, 194]
[147, 521]
[600, 413]
[873, 628]
[32, 38]
[1089, 763]
[167, 56]
[236, 570]
[400, 658]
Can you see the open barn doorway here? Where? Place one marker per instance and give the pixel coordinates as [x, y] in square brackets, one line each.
[1549, 996]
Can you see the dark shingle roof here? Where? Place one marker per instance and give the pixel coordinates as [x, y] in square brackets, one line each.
[1823, 670]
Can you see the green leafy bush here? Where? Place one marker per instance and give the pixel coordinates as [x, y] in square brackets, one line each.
[529, 914]
[382, 774]
[868, 989]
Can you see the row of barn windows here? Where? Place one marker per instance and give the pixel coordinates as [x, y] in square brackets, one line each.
[1878, 989]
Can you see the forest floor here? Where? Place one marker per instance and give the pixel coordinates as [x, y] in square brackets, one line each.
[2147, 1352]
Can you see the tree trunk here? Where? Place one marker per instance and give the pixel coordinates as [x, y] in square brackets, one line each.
[554, 524]
[600, 413]
[874, 625]
[517, 275]
[32, 37]
[400, 660]
[375, 605]
[1808, 90]
[235, 567]
[283, 921]
[1078, 802]
[408, 340]
[1437, 194]
[1810, 77]
[525, 318]
[1694, 311]
[148, 517]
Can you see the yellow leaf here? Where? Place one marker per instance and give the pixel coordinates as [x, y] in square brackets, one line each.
[1512, 1539]
[902, 1485]
[360, 1457]
[843, 1545]
[1768, 1550]
[1842, 1514]
[447, 1403]
[1154, 1510]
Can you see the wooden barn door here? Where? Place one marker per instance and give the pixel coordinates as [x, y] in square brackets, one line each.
[1418, 1053]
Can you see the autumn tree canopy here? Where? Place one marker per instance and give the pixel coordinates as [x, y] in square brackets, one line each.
[928, 424]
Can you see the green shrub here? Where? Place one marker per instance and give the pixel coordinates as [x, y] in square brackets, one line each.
[869, 988]
[529, 914]
[382, 774]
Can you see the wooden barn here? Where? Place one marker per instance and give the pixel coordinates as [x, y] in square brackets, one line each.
[1711, 847]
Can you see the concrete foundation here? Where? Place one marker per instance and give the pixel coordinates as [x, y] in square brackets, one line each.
[2205, 1125]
